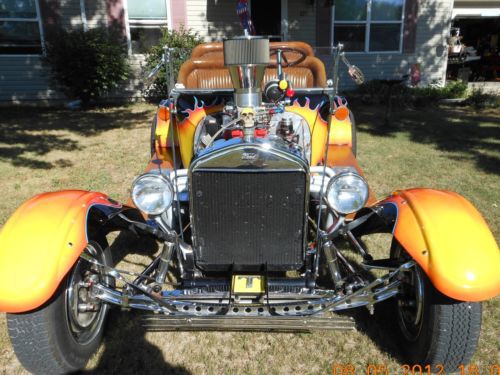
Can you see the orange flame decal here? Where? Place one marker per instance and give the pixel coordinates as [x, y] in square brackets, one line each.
[187, 127]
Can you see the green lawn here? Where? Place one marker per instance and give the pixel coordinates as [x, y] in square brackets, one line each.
[447, 148]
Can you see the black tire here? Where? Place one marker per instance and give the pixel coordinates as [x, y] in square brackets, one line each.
[447, 331]
[45, 340]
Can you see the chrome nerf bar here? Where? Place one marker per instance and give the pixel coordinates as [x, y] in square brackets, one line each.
[230, 323]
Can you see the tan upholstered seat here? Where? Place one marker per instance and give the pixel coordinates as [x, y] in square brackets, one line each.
[205, 68]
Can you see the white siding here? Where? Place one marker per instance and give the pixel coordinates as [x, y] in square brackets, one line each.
[133, 87]
[96, 13]
[213, 19]
[23, 78]
[70, 14]
[432, 32]
[302, 21]
[433, 26]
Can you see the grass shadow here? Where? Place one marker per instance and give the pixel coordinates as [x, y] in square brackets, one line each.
[127, 242]
[126, 349]
[457, 131]
[28, 135]
[381, 328]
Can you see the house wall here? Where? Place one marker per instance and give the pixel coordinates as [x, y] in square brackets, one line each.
[68, 11]
[24, 78]
[95, 12]
[213, 19]
[217, 19]
[302, 21]
[430, 51]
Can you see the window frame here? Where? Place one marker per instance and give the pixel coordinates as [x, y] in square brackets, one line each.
[38, 20]
[367, 23]
[145, 23]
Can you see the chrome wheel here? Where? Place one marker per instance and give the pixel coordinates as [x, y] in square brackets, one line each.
[61, 335]
[434, 330]
[410, 304]
[410, 300]
[85, 313]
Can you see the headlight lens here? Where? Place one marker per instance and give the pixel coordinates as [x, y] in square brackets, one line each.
[152, 194]
[347, 192]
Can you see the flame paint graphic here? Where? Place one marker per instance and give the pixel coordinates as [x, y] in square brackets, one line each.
[161, 132]
[340, 131]
[187, 127]
[317, 126]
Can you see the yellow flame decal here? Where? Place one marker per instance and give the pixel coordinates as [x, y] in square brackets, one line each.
[187, 127]
[317, 126]
[340, 131]
[161, 138]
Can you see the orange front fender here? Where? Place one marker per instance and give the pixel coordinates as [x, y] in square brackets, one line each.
[40, 243]
[450, 240]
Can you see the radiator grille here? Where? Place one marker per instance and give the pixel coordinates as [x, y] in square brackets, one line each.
[248, 219]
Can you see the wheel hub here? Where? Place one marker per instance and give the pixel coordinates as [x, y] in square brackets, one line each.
[410, 304]
[85, 313]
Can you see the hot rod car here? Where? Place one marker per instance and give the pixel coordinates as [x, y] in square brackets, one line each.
[254, 190]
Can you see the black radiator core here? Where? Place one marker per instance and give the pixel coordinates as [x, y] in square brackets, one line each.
[248, 219]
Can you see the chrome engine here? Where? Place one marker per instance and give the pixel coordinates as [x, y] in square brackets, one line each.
[247, 116]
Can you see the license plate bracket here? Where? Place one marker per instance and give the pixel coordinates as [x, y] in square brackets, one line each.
[248, 284]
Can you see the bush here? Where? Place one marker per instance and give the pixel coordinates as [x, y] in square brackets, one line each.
[452, 90]
[377, 92]
[373, 92]
[184, 40]
[86, 64]
[480, 99]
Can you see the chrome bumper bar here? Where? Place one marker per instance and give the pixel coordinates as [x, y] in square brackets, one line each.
[176, 303]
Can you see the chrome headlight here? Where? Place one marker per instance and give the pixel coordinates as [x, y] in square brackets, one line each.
[152, 193]
[347, 192]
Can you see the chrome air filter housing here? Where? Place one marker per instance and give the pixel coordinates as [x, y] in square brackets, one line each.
[246, 59]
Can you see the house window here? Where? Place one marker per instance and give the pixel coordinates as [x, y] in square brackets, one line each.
[146, 19]
[20, 28]
[369, 25]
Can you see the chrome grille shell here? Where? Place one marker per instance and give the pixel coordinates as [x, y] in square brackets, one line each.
[248, 206]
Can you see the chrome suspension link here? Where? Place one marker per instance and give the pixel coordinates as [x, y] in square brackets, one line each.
[175, 303]
[111, 271]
